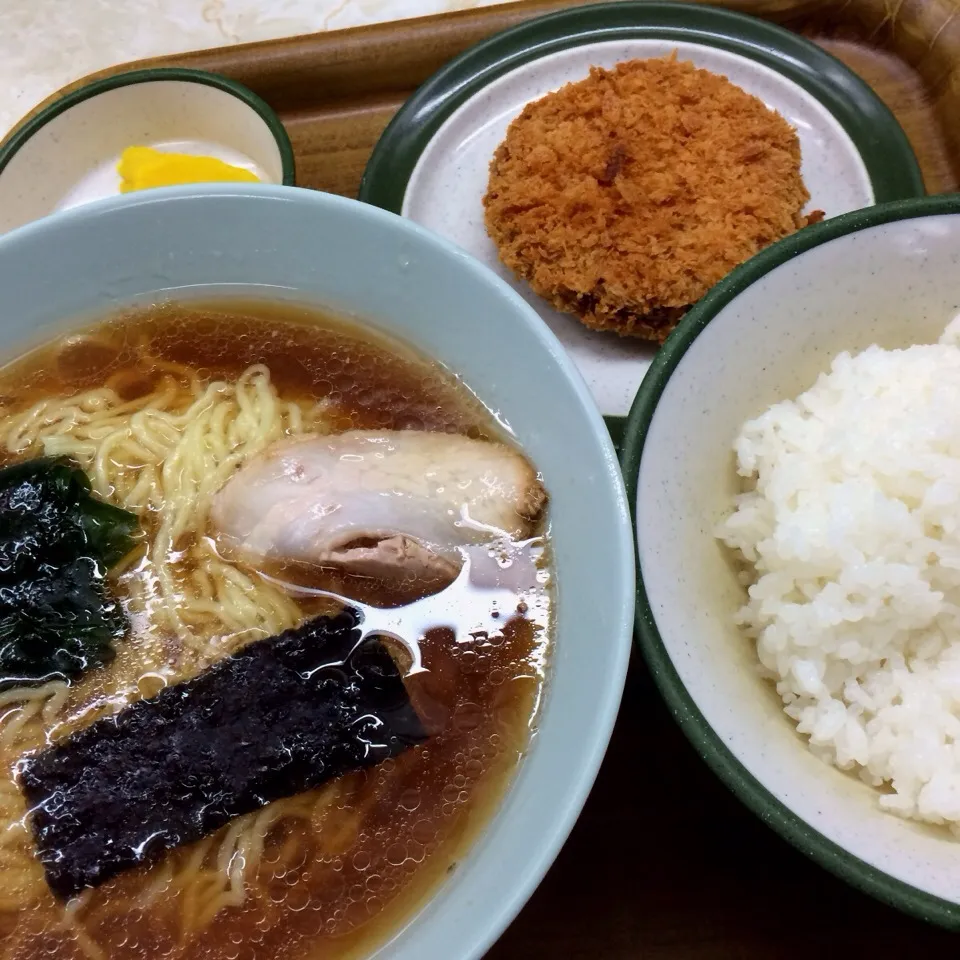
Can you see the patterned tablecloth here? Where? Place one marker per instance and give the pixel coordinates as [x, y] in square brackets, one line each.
[45, 44]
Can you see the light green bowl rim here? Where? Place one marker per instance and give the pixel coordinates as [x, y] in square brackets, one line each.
[718, 756]
[150, 75]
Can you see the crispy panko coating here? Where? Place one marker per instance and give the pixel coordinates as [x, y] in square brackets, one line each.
[624, 197]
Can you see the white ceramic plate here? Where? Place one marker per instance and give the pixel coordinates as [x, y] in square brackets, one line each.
[444, 189]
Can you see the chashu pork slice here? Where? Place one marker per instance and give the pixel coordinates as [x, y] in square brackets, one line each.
[388, 504]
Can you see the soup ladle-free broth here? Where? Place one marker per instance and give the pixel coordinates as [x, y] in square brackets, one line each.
[160, 409]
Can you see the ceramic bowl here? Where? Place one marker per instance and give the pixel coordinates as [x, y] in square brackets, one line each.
[246, 239]
[67, 153]
[888, 275]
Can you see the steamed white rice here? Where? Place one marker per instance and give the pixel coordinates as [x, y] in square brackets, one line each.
[851, 536]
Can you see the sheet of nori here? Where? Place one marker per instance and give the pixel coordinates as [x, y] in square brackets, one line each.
[281, 716]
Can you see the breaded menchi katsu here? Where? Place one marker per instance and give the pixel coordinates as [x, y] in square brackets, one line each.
[624, 197]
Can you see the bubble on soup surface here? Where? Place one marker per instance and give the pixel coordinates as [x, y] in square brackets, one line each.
[467, 716]
[298, 899]
[396, 854]
[425, 831]
[450, 793]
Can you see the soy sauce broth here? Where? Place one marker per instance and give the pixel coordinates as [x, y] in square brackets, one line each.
[339, 872]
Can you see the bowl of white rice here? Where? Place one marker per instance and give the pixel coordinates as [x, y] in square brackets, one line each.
[793, 460]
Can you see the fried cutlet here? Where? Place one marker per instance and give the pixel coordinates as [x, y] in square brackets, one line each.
[624, 197]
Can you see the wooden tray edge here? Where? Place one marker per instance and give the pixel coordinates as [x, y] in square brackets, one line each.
[316, 55]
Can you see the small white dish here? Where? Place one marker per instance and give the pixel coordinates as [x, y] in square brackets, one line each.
[67, 154]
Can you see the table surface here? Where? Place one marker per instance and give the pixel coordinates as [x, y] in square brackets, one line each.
[46, 44]
[666, 864]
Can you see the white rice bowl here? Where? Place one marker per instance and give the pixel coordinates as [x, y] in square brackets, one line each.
[886, 276]
[850, 536]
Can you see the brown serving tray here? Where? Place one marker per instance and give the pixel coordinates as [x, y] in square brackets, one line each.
[664, 862]
[335, 92]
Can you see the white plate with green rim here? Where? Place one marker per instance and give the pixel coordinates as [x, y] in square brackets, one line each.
[431, 163]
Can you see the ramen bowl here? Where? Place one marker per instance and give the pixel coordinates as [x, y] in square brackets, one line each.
[888, 276]
[372, 267]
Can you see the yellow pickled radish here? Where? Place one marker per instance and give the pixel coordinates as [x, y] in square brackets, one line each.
[141, 168]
